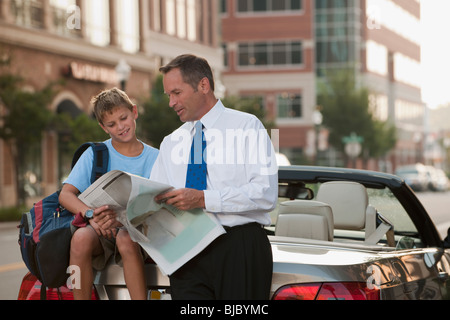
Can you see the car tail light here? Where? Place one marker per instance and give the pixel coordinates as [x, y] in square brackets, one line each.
[297, 292]
[327, 291]
[31, 290]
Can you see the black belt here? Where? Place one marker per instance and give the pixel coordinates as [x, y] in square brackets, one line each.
[241, 226]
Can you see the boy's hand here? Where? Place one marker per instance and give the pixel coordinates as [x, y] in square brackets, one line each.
[106, 233]
[104, 222]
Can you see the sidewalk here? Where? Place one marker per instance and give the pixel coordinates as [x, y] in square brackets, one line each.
[9, 225]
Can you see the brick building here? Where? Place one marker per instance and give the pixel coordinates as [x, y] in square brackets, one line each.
[276, 50]
[270, 54]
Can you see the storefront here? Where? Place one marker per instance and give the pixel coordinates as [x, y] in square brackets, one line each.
[81, 79]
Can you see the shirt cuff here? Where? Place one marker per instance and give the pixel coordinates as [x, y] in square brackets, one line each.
[213, 202]
[79, 221]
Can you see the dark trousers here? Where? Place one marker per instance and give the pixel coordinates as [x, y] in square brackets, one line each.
[236, 266]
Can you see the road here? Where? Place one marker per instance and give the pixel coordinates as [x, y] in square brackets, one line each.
[12, 268]
[438, 206]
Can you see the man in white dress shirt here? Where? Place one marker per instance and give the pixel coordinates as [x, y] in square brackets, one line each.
[241, 186]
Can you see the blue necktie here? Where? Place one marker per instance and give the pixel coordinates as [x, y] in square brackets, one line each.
[196, 172]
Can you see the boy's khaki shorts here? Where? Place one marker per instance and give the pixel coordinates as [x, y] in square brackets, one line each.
[109, 250]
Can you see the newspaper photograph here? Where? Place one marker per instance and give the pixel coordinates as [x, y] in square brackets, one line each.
[170, 236]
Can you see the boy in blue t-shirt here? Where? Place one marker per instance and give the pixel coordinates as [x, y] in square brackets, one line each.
[94, 244]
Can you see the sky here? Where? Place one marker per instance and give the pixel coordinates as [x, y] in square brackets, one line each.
[435, 52]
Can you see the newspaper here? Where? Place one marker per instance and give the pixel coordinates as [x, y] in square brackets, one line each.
[170, 236]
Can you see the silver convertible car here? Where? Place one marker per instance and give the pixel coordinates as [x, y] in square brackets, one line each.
[337, 234]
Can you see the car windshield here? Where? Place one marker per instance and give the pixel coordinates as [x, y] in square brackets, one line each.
[388, 205]
[407, 171]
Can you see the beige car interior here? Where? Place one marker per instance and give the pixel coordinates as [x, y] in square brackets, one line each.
[339, 205]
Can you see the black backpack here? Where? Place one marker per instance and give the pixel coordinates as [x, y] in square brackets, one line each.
[45, 232]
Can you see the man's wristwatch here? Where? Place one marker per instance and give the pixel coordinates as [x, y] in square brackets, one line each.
[89, 214]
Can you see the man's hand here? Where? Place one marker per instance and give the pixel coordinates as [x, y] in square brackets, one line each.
[183, 199]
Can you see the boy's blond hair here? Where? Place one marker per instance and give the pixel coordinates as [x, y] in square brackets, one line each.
[107, 100]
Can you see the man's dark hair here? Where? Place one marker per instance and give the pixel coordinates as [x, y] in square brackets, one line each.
[193, 69]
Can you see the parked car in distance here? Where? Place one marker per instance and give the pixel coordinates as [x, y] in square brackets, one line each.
[438, 180]
[336, 234]
[282, 160]
[415, 175]
[443, 183]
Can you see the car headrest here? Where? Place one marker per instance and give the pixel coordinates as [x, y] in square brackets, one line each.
[305, 219]
[348, 200]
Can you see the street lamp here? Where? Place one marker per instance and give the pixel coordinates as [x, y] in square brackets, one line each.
[317, 119]
[353, 146]
[123, 71]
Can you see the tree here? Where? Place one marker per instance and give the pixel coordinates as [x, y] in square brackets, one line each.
[251, 105]
[23, 122]
[72, 132]
[345, 109]
[156, 120]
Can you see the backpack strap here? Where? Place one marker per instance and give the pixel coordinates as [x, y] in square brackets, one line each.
[101, 158]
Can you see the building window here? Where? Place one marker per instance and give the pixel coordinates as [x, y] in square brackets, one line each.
[379, 106]
[191, 20]
[66, 17]
[377, 58]
[97, 22]
[289, 105]
[225, 55]
[270, 54]
[336, 51]
[223, 6]
[259, 5]
[28, 13]
[407, 70]
[326, 4]
[170, 17]
[338, 33]
[128, 25]
[268, 5]
[181, 18]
